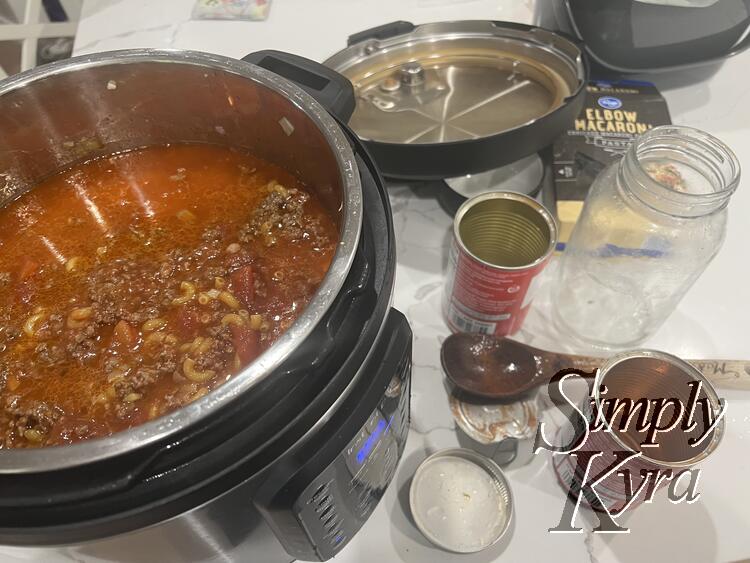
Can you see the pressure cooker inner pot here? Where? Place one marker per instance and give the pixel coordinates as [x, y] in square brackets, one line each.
[85, 111]
[56, 116]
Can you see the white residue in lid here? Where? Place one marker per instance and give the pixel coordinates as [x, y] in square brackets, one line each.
[458, 504]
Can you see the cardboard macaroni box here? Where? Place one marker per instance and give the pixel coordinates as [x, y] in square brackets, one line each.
[613, 114]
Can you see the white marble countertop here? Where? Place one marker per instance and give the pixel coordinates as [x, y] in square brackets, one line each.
[710, 322]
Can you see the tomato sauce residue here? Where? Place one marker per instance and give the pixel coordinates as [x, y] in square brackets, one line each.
[133, 284]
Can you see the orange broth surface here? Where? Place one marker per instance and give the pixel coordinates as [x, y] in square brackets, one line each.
[133, 284]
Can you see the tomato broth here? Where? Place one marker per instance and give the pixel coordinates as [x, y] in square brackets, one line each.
[133, 284]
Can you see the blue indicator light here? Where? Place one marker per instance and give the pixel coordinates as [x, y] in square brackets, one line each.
[372, 439]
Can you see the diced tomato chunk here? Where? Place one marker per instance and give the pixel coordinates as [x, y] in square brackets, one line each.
[246, 343]
[187, 321]
[25, 291]
[28, 268]
[243, 284]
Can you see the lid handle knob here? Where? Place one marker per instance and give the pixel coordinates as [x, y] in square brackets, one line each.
[332, 90]
[381, 32]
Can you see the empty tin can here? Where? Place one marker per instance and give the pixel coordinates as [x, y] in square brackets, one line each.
[501, 243]
[647, 378]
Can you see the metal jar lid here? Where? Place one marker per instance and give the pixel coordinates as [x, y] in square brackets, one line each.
[460, 500]
[453, 83]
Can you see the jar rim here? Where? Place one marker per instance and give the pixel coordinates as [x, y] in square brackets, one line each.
[694, 142]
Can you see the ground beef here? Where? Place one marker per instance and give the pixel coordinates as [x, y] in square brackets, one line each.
[8, 331]
[50, 327]
[82, 431]
[48, 354]
[216, 357]
[139, 379]
[221, 332]
[216, 271]
[33, 415]
[135, 383]
[166, 270]
[212, 234]
[201, 257]
[123, 410]
[173, 400]
[144, 232]
[165, 362]
[131, 291]
[12, 332]
[237, 260]
[143, 377]
[282, 213]
[110, 363]
[82, 344]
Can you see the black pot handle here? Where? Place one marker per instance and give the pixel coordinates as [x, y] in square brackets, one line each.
[332, 90]
[513, 25]
[381, 32]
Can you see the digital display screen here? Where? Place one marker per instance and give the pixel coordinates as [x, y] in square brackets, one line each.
[371, 441]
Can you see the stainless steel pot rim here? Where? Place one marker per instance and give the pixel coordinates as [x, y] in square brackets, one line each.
[68, 456]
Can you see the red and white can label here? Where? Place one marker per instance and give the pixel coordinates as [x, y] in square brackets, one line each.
[487, 299]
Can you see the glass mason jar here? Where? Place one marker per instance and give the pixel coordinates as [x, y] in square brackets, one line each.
[649, 227]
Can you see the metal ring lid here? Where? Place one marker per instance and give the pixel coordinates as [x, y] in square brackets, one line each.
[460, 500]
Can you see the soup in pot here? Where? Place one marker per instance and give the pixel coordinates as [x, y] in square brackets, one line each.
[133, 284]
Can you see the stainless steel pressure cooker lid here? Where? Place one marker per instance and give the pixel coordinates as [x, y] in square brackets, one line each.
[456, 80]
[442, 100]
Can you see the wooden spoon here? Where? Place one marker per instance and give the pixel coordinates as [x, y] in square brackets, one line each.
[501, 368]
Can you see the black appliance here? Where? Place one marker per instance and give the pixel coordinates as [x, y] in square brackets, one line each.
[290, 470]
[639, 36]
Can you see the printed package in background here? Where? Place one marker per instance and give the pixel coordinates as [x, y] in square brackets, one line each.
[244, 10]
[613, 114]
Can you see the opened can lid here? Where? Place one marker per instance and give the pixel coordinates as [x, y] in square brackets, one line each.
[460, 500]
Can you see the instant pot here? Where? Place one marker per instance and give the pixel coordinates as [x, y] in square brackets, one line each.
[654, 36]
[289, 458]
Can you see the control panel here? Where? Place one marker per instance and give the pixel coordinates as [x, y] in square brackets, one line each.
[335, 505]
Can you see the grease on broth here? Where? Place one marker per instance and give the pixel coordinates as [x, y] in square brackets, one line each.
[133, 284]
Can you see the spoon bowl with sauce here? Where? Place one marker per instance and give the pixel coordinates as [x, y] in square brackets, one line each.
[502, 369]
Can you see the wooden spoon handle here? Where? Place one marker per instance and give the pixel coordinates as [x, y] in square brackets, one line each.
[727, 374]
